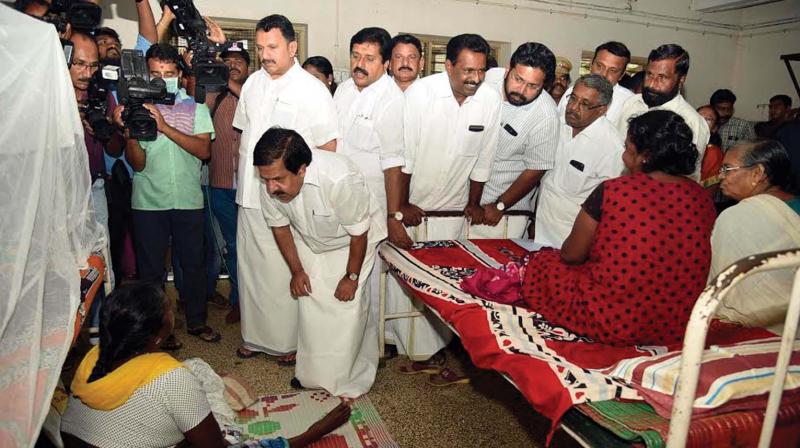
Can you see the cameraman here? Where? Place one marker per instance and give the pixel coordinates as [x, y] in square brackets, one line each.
[167, 198]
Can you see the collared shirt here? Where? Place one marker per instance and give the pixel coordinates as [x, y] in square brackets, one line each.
[171, 176]
[700, 134]
[527, 141]
[297, 101]
[582, 163]
[371, 126]
[334, 204]
[736, 131]
[619, 96]
[225, 148]
[448, 145]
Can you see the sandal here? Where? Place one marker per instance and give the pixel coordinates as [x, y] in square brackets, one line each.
[287, 360]
[171, 344]
[447, 378]
[245, 353]
[205, 333]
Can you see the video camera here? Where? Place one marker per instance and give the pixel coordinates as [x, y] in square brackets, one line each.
[95, 109]
[210, 74]
[135, 88]
[81, 14]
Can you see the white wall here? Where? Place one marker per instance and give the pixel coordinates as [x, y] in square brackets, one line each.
[747, 65]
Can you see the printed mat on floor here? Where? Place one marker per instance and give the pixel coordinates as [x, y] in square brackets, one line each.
[288, 415]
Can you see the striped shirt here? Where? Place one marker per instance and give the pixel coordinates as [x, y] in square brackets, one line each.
[528, 140]
[225, 148]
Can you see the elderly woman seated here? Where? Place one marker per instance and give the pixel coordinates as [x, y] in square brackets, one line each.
[125, 393]
[766, 218]
[638, 254]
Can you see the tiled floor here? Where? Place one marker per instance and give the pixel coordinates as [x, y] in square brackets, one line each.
[486, 412]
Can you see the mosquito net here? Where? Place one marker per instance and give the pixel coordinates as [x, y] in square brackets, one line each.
[47, 227]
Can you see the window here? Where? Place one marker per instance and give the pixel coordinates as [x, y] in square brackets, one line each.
[245, 30]
[636, 64]
[434, 51]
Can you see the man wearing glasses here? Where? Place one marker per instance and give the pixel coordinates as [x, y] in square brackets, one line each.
[589, 152]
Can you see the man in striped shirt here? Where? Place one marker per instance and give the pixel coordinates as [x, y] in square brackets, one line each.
[527, 142]
[221, 192]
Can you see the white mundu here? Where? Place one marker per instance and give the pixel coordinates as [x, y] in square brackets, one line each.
[527, 141]
[619, 97]
[371, 135]
[636, 106]
[582, 163]
[337, 349]
[447, 145]
[296, 101]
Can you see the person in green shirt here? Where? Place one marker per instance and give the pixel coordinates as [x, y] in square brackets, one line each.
[167, 198]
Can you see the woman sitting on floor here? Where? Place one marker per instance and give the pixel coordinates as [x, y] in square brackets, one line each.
[767, 218]
[638, 254]
[125, 393]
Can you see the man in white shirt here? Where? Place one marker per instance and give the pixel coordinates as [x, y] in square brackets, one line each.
[451, 127]
[527, 142]
[322, 199]
[284, 95]
[609, 61]
[589, 152]
[370, 106]
[406, 61]
[667, 67]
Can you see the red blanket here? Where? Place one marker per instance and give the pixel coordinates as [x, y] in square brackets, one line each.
[553, 367]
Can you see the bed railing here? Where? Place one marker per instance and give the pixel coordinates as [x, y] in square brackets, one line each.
[695, 339]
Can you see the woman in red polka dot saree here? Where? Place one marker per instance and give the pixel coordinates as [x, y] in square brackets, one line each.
[639, 252]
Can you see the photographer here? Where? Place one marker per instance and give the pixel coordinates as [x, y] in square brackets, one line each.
[167, 198]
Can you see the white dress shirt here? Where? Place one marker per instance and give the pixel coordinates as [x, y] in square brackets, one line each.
[636, 106]
[295, 101]
[527, 140]
[619, 97]
[371, 128]
[582, 163]
[334, 204]
[448, 144]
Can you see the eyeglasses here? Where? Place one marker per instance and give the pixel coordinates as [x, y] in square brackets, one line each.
[83, 65]
[583, 104]
[723, 170]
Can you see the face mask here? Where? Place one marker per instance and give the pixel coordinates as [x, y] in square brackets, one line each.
[172, 84]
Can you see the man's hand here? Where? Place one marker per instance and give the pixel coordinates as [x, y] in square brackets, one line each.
[474, 214]
[398, 235]
[118, 116]
[187, 58]
[300, 285]
[161, 125]
[412, 215]
[346, 289]
[491, 215]
[215, 33]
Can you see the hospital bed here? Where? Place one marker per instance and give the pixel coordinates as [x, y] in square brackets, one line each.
[720, 389]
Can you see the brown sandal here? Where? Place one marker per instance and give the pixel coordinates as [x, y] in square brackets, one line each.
[287, 360]
[205, 333]
[447, 378]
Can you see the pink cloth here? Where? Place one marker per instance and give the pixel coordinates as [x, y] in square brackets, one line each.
[497, 285]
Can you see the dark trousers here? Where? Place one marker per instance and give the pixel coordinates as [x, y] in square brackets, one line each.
[153, 230]
[223, 205]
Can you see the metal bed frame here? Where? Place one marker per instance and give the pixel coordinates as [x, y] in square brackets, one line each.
[694, 341]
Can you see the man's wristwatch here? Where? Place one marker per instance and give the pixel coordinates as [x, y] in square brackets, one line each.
[352, 276]
[500, 206]
[398, 215]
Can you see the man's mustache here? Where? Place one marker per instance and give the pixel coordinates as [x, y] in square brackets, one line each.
[405, 67]
[470, 83]
[267, 61]
[360, 70]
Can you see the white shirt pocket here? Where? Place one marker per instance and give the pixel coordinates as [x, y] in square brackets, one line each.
[284, 115]
[573, 179]
[361, 135]
[325, 223]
